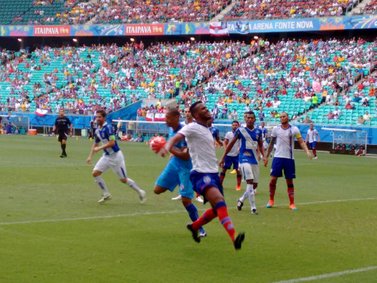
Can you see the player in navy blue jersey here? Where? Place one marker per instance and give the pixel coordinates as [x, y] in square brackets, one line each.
[63, 128]
[177, 171]
[251, 140]
[112, 158]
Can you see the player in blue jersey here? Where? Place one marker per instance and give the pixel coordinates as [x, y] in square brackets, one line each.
[112, 158]
[251, 140]
[215, 133]
[62, 127]
[177, 171]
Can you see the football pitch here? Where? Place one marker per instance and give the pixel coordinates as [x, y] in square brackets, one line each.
[53, 230]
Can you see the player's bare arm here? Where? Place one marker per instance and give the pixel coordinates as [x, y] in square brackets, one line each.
[181, 153]
[304, 147]
[89, 159]
[170, 144]
[269, 150]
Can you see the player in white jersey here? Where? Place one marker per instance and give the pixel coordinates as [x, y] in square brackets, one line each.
[251, 141]
[231, 159]
[204, 175]
[284, 135]
[112, 158]
[312, 137]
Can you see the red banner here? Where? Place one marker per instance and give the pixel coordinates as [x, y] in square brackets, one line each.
[144, 29]
[52, 30]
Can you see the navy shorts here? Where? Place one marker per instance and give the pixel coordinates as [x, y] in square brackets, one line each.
[313, 145]
[203, 181]
[283, 164]
[230, 161]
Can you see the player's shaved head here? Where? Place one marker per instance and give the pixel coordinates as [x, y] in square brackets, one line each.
[173, 112]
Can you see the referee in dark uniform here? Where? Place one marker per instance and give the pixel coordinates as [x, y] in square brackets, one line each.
[63, 128]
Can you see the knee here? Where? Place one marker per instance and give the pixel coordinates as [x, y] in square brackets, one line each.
[96, 173]
[124, 180]
[186, 201]
[273, 182]
[158, 190]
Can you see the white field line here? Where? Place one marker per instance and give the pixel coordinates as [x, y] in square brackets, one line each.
[329, 275]
[144, 213]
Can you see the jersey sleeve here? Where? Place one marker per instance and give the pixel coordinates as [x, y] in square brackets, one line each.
[187, 130]
[296, 133]
[237, 134]
[274, 132]
[228, 136]
[110, 133]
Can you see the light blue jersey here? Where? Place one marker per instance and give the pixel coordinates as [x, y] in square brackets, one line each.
[181, 144]
[249, 144]
[104, 134]
[177, 172]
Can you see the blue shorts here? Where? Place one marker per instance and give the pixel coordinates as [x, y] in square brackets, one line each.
[173, 176]
[229, 161]
[280, 164]
[313, 145]
[203, 181]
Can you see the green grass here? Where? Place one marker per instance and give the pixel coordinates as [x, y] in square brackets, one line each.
[53, 230]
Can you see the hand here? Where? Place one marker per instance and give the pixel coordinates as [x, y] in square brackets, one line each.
[163, 152]
[309, 154]
[221, 163]
[89, 160]
[265, 161]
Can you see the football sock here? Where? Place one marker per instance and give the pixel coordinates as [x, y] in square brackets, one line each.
[193, 213]
[207, 216]
[222, 177]
[314, 152]
[63, 146]
[101, 183]
[239, 178]
[224, 218]
[134, 186]
[250, 190]
[272, 190]
[291, 193]
[244, 196]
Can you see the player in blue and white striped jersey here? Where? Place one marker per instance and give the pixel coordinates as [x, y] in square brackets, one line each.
[112, 158]
[251, 140]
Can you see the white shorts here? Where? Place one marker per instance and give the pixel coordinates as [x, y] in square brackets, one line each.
[114, 161]
[250, 171]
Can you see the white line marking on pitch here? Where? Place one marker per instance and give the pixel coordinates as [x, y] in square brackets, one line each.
[329, 275]
[144, 213]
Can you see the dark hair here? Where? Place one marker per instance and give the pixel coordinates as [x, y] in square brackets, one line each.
[249, 113]
[101, 112]
[192, 107]
[235, 121]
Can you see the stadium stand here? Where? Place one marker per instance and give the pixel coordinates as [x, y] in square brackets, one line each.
[81, 78]
[279, 9]
[119, 11]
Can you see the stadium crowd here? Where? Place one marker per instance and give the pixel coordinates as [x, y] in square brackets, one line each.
[279, 9]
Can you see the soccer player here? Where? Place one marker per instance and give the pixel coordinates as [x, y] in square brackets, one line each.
[189, 119]
[231, 158]
[251, 140]
[312, 137]
[177, 171]
[283, 135]
[112, 158]
[62, 127]
[204, 175]
[215, 133]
